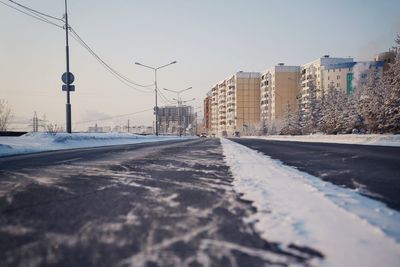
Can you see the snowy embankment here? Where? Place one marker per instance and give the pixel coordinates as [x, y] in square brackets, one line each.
[357, 139]
[295, 207]
[38, 142]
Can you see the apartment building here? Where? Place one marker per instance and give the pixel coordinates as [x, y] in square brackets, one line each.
[387, 58]
[221, 129]
[207, 104]
[312, 73]
[279, 88]
[214, 109]
[235, 103]
[348, 76]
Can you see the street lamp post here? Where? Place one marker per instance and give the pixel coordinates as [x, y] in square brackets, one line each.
[178, 99]
[155, 86]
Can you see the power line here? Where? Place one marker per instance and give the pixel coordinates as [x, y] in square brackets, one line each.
[35, 11]
[164, 98]
[113, 117]
[106, 66]
[35, 16]
[87, 47]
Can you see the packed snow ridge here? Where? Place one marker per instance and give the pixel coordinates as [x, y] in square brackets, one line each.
[295, 207]
[356, 139]
[38, 142]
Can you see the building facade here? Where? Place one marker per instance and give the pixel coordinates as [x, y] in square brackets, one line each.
[387, 58]
[279, 88]
[176, 120]
[312, 75]
[346, 77]
[235, 104]
[207, 103]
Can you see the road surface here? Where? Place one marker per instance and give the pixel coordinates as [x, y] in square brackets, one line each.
[157, 204]
[373, 170]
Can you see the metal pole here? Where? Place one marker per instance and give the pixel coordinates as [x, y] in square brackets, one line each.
[68, 105]
[155, 88]
[179, 117]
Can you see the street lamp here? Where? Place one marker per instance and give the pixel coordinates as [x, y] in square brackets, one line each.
[180, 101]
[155, 86]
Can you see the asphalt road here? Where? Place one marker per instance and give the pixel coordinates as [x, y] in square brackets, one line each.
[373, 170]
[157, 204]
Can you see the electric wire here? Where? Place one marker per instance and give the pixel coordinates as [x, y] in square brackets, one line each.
[164, 98]
[86, 46]
[113, 117]
[106, 66]
[35, 11]
[38, 17]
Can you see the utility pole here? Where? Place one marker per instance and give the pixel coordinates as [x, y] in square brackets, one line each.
[128, 127]
[68, 82]
[35, 122]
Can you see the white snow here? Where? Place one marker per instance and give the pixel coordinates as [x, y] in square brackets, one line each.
[37, 142]
[359, 139]
[295, 207]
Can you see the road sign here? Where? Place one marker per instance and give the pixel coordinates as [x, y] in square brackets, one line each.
[70, 76]
[71, 87]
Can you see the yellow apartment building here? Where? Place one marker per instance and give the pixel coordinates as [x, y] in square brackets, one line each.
[235, 104]
[279, 88]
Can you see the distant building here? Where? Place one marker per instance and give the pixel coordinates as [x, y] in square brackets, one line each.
[214, 110]
[176, 120]
[99, 129]
[207, 112]
[235, 104]
[387, 57]
[279, 88]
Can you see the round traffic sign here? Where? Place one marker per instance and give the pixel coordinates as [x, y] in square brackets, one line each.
[71, 78]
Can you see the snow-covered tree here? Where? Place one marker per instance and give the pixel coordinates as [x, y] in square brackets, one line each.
[5, 115]
[291, 124]
[390, 117]
[311, 111]
[371, 102]
[336, 114]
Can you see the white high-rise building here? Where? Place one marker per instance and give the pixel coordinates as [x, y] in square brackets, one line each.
[313, 73]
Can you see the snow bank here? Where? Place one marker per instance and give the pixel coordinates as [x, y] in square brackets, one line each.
[295, 207]
[359, 139]
[37, 142]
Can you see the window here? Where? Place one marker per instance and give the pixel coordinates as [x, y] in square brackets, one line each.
[338, 77]
[329, 77]
[337, 85]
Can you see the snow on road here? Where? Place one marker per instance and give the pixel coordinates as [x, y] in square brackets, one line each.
[358, 139]
[37, 142]
[295, 207]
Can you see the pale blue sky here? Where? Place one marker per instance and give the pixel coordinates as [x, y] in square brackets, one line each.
[210, 40]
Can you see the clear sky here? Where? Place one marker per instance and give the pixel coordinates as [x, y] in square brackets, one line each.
[210, 39]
